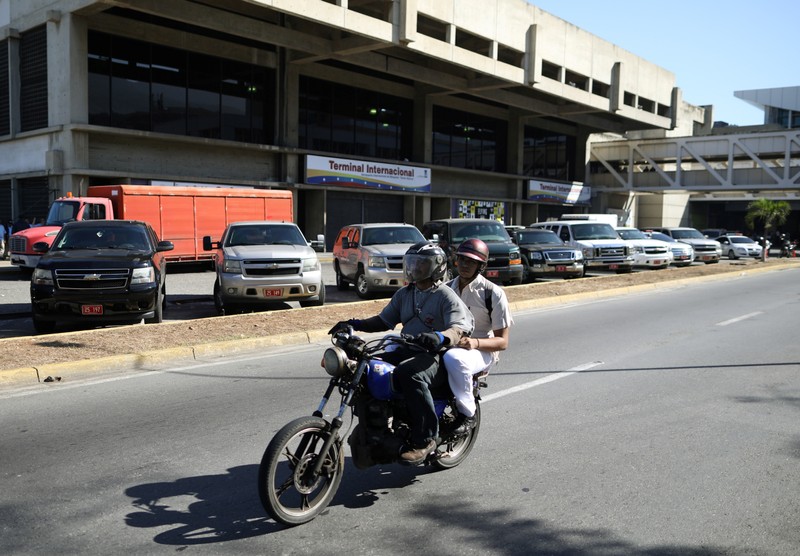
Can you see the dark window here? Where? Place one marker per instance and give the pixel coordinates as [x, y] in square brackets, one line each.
[5, 201]
[548, 155]
[465, 140]
[130, 85]
[33, 79]
[34, 200]
[431, 28]
[135, 85]
[348, 120]
[600, 89]
[5, 121]
[551, 71]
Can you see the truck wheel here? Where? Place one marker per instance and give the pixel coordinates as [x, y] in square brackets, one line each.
[362, 287]
[158, 310]
[218, 305]
[319, 302]
[43, 326]
[341, 283]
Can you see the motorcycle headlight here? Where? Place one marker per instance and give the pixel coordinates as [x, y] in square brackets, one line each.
[143, 275]
[335, 361]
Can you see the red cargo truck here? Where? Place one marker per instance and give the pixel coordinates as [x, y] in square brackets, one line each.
[182, 215]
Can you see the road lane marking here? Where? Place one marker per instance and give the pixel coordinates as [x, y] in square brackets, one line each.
[737, 319]
[540, 381]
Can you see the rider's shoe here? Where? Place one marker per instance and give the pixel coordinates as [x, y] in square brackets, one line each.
[463, 424]
[415, 456]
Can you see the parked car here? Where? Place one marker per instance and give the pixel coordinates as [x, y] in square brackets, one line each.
[705, 250]
[504, 266]
[648, 252]
[602, 247]
[512, 231]
[371, 256]
[682, 253]
[259, 262]
[714, 233]
[544, 255]
[735, 246]
[99, 272]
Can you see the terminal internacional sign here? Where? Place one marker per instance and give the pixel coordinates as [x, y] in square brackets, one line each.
[325, 170]
[559, 193]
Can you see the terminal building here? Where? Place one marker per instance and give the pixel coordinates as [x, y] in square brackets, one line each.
[368, 110]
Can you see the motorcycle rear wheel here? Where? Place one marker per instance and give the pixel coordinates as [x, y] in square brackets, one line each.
[450, 454]
[289, 492]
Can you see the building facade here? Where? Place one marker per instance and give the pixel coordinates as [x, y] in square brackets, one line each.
[369, 110]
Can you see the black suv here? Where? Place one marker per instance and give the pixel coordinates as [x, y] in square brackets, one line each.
[505, 264]
[99, 272]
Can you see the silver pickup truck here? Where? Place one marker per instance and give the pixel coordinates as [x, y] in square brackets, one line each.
[259, 262]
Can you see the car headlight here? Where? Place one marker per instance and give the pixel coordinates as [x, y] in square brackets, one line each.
[310, 265]
[376, 262]
[42, 277]
[588, 252]
[143, 275]
[536, 256]
[232, 266]
[578, 255]
[638, 249]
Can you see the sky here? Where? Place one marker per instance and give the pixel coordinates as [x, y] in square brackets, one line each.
[713, 47]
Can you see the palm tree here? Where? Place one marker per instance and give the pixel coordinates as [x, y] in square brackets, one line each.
[771, 213]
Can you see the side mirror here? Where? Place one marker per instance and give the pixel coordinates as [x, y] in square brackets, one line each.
[41, 247]
[165, 246]
[209, 245]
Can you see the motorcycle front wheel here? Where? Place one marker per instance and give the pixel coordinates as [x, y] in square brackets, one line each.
[289, 490]
[452, 452]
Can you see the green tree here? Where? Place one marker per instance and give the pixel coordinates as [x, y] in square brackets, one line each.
[770, 213]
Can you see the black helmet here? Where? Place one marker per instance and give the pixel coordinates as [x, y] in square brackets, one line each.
[424, 260]
[476, 249]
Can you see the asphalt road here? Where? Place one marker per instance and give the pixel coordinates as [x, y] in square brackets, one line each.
[653, 424]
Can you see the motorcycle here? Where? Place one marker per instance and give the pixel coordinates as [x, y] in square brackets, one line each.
[303, 464]
[787, 247]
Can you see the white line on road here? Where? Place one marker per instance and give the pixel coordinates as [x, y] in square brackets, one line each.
[737, 319]
[540, 381]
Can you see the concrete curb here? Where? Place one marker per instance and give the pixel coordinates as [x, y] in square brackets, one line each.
[38, 374]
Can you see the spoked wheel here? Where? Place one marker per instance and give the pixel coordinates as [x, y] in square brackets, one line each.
[452, 452]
[289, 490]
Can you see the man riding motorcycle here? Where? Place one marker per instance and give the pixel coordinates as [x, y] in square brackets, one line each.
[438, 318]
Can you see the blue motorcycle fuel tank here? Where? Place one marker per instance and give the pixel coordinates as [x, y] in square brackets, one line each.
[379, 379]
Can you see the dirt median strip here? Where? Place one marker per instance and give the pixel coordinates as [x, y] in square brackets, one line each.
[262, 334]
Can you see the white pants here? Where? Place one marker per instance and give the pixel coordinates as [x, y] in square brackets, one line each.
[461, 364]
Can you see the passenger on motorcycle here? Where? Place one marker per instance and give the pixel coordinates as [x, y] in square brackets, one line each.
[438, 318]
[489, 306]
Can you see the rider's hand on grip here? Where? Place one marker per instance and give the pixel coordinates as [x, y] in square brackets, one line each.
[431, 341]
[343, 324]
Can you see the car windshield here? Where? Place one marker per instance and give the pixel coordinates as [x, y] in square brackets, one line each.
[631, 234]
[661, 237]
[490, 232]
[396, 234]
[593, 231]
[264, 234]
[538, 236]
[687, 234]
[740, 239]
[98, 237]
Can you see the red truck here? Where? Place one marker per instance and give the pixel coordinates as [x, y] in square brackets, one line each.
[182, 215]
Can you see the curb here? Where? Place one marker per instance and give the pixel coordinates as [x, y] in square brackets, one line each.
[38, 374]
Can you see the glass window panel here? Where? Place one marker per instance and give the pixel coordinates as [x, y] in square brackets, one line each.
[169, 90]
[130, 84]
[99, 46]
[203, 96]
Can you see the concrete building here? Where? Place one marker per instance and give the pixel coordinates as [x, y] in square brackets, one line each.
[705, 178]
[369, 110]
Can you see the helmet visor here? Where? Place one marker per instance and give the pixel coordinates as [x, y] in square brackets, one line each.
[417, 267]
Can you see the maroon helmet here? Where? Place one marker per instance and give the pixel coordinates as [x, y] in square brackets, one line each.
[474, 249]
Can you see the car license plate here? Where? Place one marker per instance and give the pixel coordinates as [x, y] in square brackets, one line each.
[273, 292]
[613, 266]
[492, 273]
[91, 309]
[707, 258]
[561, 268]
